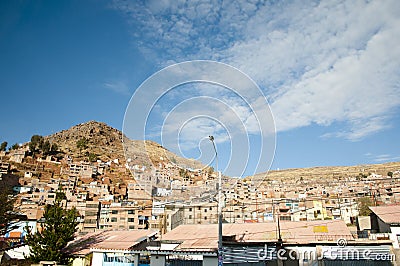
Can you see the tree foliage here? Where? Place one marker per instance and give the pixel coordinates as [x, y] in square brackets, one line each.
[92, 157]
[390, 174]
[82, 144]
[54, 147]
[3, 146]
[36, 142]
[58, 229]
[363, 205]
[6, 208]
[46, 147]
[15, 146]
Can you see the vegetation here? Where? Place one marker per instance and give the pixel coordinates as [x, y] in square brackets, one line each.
[46, 147]
[3, 146]
[82, 144]
[363, 205]
[92, 157]
[59, 227]
[390, 174]
[54, 147]
[361, 175]
[14, 146]
[36, 142]
[6, 208]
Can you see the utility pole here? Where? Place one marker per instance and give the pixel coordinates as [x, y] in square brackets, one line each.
[220, 255]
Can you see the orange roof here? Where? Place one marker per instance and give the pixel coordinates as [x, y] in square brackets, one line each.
[15, 234]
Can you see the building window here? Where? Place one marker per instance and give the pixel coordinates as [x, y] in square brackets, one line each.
[205, 217]
[199, 208]
[190, 209]
[190, 216]
[284, 218]
[131, 220]
[210, 208]
[131, 211]
[114, 220]
[205, 210]
[114, 212]
[131, 227]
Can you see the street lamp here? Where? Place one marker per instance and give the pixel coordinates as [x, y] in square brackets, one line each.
[220, 257]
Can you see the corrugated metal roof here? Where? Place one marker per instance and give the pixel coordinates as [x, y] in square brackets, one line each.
[388, 214]
[119, 240]
[206, 236]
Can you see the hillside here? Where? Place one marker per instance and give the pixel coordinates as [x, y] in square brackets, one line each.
[106, 143]
[328, 173]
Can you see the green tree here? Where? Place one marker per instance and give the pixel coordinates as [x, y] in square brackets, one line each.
[6, 208]
[54, 147]
[36, 142]
[92, 157]
[390, 174]
[59, 227]
[363, 206]
[3, 146]
[32, 146]
[46, 147]
[82, 144]
[15, 146]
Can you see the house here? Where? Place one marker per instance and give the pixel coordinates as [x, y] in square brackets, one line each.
[386, 220]
[15, 253]
[110, 248]
[17, 155]
[304, 243]
[4, 168]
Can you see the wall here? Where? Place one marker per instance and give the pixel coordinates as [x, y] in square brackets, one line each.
[393, 236]
[97, 258]
[210, 261]
[157, 260]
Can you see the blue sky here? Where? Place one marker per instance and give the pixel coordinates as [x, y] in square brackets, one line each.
[330, 70]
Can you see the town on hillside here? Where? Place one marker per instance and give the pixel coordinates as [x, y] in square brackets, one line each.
[133, 212]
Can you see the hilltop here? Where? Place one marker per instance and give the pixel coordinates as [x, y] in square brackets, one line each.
[329, 173]
[107, 143]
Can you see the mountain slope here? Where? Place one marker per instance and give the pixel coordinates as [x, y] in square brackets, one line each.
[106, 142]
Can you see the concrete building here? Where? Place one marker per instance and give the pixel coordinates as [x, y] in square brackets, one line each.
[386, 220]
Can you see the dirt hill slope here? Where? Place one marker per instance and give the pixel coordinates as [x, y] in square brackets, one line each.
[106, 142]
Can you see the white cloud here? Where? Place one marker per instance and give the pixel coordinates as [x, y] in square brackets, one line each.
[118, 87]
[319, 63]
[386, 158]
[382, 158]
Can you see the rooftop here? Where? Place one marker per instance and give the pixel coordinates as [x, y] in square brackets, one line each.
[114, 240]
[205, 236]
[388, 214]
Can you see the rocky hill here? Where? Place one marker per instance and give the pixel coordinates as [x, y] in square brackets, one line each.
[328, 173]
[107, 143]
